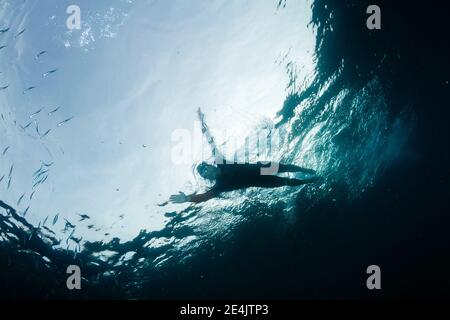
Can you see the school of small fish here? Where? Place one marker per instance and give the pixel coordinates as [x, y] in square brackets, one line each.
[41, 175]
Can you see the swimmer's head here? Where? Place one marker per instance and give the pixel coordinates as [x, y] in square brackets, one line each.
[207, 171]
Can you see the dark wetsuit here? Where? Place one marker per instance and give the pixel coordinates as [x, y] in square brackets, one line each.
[235, 176]
[238, 176]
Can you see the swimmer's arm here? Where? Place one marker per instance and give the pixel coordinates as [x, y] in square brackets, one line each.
[202, 197]
[205, 130]
[196, 198]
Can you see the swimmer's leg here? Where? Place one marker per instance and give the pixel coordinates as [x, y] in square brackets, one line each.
[299, 182]
[280, 168]
[274, 182]
[294, 168]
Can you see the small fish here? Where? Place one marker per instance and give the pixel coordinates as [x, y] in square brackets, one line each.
[2, 47]
[45, 220]
[1, 179]
[144, 146]
[69, 225]
[84, 217]
[4, 87]
[26, 210]
[32, 194]
[20, 33]
[76, 240]
[47, 164]
[25, 127]
[28, 89]
[38, 176]
[36, 184]
[36, 125]
[36, 112]
[46, 133]
[121, 216]
[6, 150]
[49, 73]
[40, 54]
[20, 199]
[42, 181]
[53, 111]
[55, 219]
[4, 30]
[9, 182]
[37, 171]
[90, 226]
[48, 230]
[11, 170]
[40, 173]
[64, 121]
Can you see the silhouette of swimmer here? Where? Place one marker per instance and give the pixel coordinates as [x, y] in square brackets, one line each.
[235, 176]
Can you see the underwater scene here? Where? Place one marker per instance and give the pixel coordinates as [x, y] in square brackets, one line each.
[273, 149]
